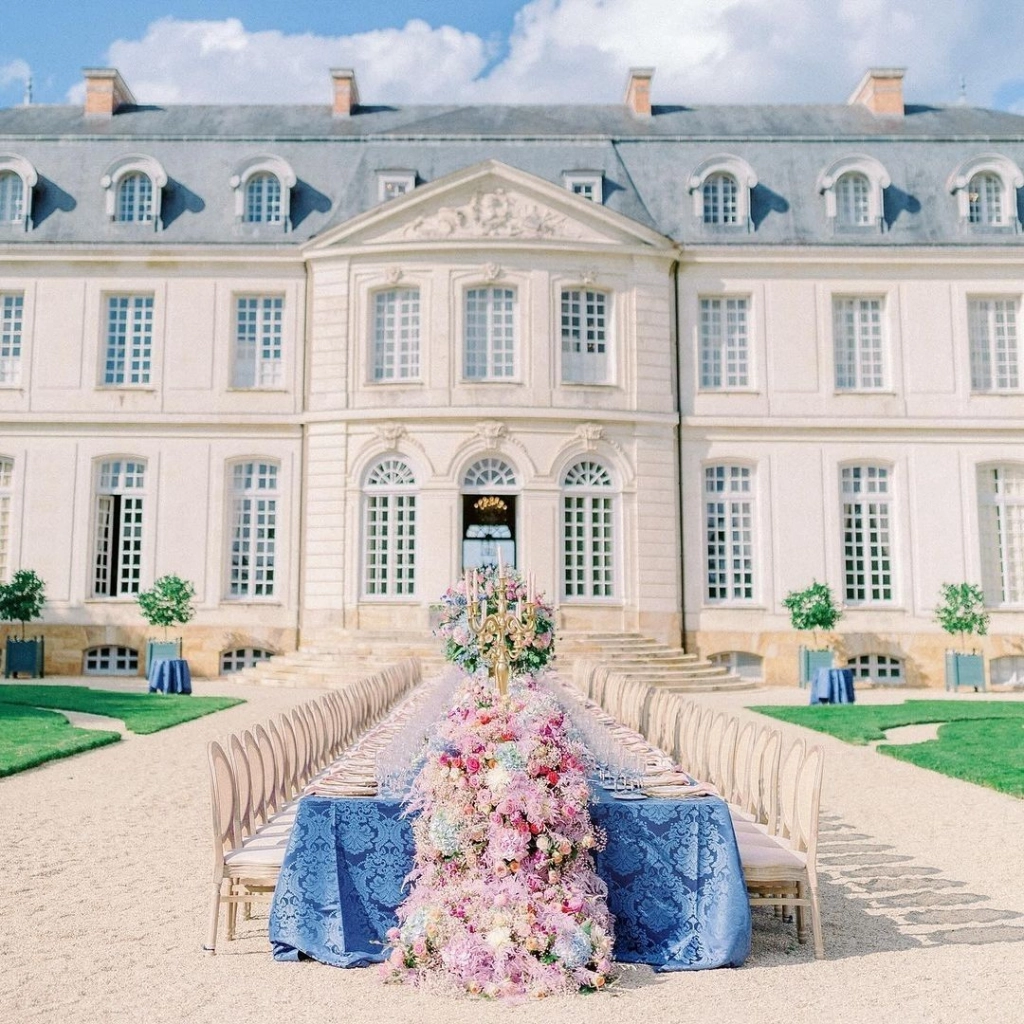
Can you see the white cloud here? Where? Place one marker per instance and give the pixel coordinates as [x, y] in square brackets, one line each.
[16, 71]
[705, 51]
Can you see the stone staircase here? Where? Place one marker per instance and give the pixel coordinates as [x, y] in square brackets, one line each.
[354, 654]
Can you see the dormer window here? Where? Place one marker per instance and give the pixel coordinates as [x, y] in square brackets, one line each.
[853, 188]
[263, 190]
[721, 188]
[134, 187]
[17, 179]
[985, 188]
[585, 184]
[392, 184]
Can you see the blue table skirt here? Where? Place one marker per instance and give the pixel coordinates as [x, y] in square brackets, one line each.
[672, 867]
[832, 686]
[170, 675]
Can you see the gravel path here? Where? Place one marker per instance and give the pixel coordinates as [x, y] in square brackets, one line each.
[106, 860]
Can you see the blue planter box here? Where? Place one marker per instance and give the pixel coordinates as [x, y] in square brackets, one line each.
[811, 661]
[24, 656]
[964, 670]
[157, 650]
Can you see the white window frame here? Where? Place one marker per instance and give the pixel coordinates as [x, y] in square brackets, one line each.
[853, 200]
[589, 532]
[118, 527]
[866, 510]
[393, 184]
[743, 176]
[239, 658]
[258, 359]
[389, 531]
[23, 171]
[724, 344]
[729, 513]
[878, 180]
[994, 343]
[585, 317]
[886, 669]
[110, 660]
[286, 179]
[120, 169]
[263, 199]
[585, 184]
[6, 516]
[1011, 178]
[128, 354]
[860, 343]
[1001, 533]
[12, 325]
[253, 532]
[486, 353]
[396, 316]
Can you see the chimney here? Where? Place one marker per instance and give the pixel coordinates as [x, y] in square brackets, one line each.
[346, 92]
[638, 91]
[881, 91]
[105, 91]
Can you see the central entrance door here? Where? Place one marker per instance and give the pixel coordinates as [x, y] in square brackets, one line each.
[488, 525]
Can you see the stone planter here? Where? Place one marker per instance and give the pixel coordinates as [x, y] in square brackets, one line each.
[24, 656]
[964, 670]
[158, 649]
[811, 661]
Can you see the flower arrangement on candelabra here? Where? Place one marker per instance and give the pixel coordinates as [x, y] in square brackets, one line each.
[534, 644]
[505, 900]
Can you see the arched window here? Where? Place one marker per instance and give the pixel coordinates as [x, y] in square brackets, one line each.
[12, 197]
[489, 475]
[1007, 671]
[111, 661]
[252, 537]
[242, 657]
[396, 334]
[584, 336]
[867, 534]
[588, 532]
[985, 188]
[389, 530]
[853, 200]
[740, 663]
[1001, 518]
[135, 199]
[117, 545]
[987, 201]
[6, 500]
[878, 668]
[720, 199]
[729, 532]
[490, 338]
[263, 199]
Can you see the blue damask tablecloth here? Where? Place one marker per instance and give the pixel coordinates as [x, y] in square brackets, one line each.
[832, 686]
[672, 867]
[170, 675]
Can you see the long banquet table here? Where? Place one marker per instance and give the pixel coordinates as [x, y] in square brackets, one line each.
[675, 884]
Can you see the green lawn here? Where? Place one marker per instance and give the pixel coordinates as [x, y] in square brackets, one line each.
[30, 737]
[981, 743]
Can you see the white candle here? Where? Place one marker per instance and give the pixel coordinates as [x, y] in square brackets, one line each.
[501, 564]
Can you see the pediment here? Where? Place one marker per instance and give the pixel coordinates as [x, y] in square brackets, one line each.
[490, 203]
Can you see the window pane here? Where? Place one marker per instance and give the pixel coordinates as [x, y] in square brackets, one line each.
[867, 551]
[720, 195]
[12, 193]
[135, 198]
[992, 331]
[584, 337]
[858, 343]
[489, 331]
[129, 339]
[258, 346]
[723, 343]
[852, 200]
[729, 533]
[1001, 514]
[263, 199]
[389, 531]
[6, 498]
[588, 527]
[253, 535]
[11, 311]
[396, 334]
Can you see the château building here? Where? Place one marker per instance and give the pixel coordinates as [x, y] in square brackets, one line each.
[676, 361]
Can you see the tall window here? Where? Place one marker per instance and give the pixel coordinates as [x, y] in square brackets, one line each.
[853, 207]
[992, 328]
[985, 196]
[720, 199]
[729, 532]
[135, 198]
[858, 343]
[253, 537]
[724, 360]
[588, 531]
[396, 334]
[867, 544]
[6, 500]
[258, 359]
[117, 549]
[129, 339]
[584, 337]
[1001, 515]
[11, 310]
[263, 199]
[389, 530]
[12, 197]
[490, 333]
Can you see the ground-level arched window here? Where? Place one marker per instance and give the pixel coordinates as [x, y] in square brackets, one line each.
[741, 663]
[879, 668]
[111, 661]
[1007, 671]
[588, 531]
[242, 657]
[252, 537]
[389, 530]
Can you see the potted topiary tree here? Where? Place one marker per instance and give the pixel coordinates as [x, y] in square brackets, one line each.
[22, 600]
[167, 603]
[812, 609]
[962, 612]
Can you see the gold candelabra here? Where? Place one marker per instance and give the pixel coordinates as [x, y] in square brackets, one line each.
[503, 634]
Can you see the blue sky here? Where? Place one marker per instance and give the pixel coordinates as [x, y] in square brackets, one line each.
[407, 51]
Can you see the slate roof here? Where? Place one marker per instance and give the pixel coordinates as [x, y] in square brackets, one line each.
[645, 163]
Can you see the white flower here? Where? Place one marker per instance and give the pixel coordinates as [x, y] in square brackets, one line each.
[497, 778]
[496, 938]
